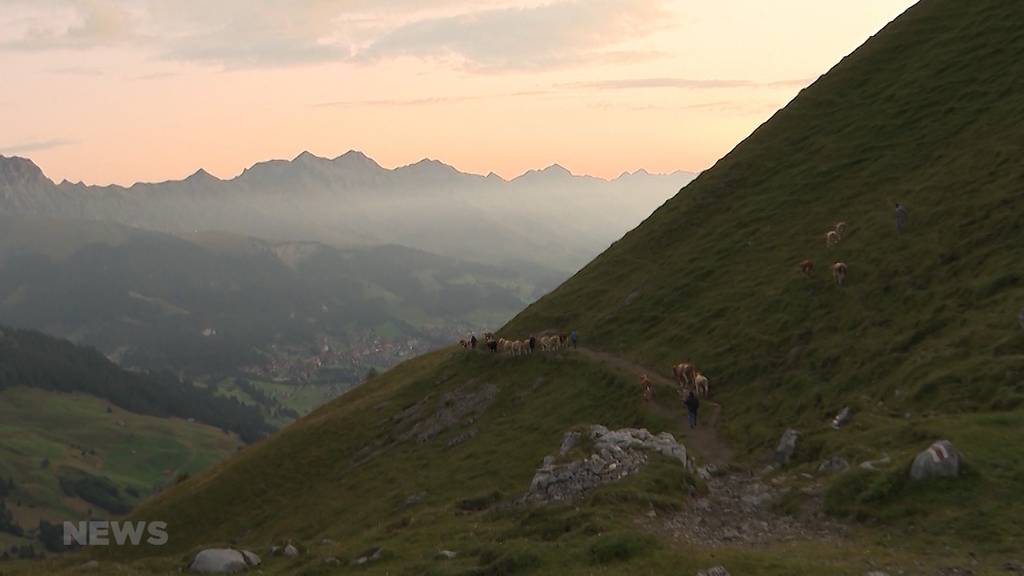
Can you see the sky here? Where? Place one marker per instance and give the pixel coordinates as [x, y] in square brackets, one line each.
[119, 91]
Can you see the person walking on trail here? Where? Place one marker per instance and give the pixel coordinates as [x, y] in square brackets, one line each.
[573, 338]
[692, 405]
[901, 218]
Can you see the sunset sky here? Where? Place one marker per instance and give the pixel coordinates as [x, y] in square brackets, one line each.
[121, 91]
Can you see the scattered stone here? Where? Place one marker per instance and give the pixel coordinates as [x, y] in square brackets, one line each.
[290, 551]
[568, 441]
[707, 472]
[332, 561]
[90, 565]
[413, 500]
[223, 561]
[875, 464]
[833, 465]
[445, 555]
[940, 460]
[616, 455]
[371, 555]
[787, 447]
[842, 418]
[716, 571]
[463, 437]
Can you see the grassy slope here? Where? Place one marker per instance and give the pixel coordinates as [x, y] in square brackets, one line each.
[929, 113]
[37, 424]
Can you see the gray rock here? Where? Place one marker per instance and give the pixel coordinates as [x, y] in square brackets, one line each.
[568, 441]
[787, 447]
[371, 555]
[251, 558]
[446, 555]
[833, 465]
[218, 561]
[616, 454]
[716, 571]
[842, 418]
[90, 565]
[332, 561]
[291, 551]
[940, 460]
[875, 464]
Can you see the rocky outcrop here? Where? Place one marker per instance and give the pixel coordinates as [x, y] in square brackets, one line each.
[716, 571]
[833, 465]
[842, 418]
[615, 454]
[940, 460]
[223, 561]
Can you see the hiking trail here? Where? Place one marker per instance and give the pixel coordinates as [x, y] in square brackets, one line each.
[704, 440]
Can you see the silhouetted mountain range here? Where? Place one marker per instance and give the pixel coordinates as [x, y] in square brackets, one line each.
[549, 217]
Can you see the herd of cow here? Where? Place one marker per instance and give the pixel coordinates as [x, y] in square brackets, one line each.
[519, 347]
[832, 238]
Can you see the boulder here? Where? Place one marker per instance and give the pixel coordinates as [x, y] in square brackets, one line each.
[251, 558]
[371, 555]
[446, 555]
[222, 561]
[715, 571]
[940, 460]
[833, 465]
[568, 441]
[787, 447]
[842, 418]
[290, 551]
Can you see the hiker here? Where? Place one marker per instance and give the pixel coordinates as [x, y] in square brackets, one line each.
[573, 338]
[901, 218]
[472, 342]
[692, 405]
[645, 386]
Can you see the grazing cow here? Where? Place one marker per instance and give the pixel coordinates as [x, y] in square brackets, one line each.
[646, 388]
[832, 238]
[839, 273]
[492, 344]
[807, 267]
[549, 343]
[840, 228]
[517, 347]
[702, 385]
[562, 338]
[463, 343]
[684, 373]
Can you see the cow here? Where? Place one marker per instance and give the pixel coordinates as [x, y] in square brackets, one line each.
[702, 385]
[832, 238]
[684, 373]
[646, 388]
[807, 267]
[839, 271]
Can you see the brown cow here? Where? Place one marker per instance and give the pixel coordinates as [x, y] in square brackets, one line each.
[646, 388]
[807, 267]
[684, 373]
[839, 273]
[701, 384]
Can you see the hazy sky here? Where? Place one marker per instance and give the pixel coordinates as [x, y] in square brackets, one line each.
[125, 90]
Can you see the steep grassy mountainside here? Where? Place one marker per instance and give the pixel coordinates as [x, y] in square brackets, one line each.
[922, 343]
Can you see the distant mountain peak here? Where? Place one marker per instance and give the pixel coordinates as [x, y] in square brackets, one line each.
[17, 170]
[306, 156]
[202, 175]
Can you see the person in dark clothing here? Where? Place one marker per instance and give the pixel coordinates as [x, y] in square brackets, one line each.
[901, 218]
[492, 344]
[533, 343]
[472, 342]
[692, 405]
[573, 338]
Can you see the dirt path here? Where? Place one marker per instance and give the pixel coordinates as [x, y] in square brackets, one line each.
[703, 440]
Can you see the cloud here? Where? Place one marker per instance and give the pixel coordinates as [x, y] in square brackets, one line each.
[426, 101]
[36, 145]
[477, 34]
[680, 84]
[545, 36]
